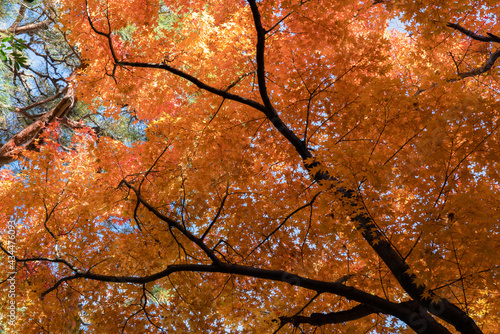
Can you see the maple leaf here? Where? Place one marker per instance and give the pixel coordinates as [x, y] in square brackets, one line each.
[426, 294]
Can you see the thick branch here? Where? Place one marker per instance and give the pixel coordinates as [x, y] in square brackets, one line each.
[260, 49]
[410, 313]
[26, 138]
[320, 319]
[72, 124]
[490, 61]
[483, 69]
[473, 35]
[29, 28]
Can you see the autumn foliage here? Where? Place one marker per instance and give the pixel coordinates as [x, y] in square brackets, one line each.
[306, 166]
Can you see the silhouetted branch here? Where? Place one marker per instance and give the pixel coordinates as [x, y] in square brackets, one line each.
[320, 319]
[471, 34]
[489, 62]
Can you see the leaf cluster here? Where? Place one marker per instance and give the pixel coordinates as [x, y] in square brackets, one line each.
[11, 52]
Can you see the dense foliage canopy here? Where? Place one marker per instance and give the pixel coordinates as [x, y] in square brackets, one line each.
[293, 166]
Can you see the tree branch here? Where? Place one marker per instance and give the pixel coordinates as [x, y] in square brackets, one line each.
[483, 69]
[174, 224]
[26, 138]
[408, 312]
[23, 110]
[471, 34]
[320, 319]
[28, 28]
[489, 62]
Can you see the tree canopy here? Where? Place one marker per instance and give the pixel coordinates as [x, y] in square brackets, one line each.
[297, 166]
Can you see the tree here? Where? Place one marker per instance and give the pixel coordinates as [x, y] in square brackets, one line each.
[305, 166]
[36, 60]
